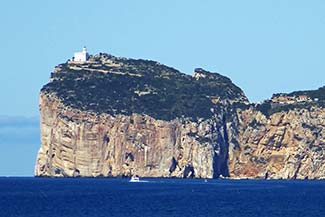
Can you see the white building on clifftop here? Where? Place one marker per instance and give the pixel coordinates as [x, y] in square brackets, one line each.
[81, 56]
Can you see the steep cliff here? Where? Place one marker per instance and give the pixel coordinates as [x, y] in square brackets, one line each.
[118, 117]
[286, 145]
[115, 116]
[78, 143]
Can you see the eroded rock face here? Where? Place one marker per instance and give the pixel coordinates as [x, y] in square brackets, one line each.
[286, 145]
[121, 117]
[84, 144]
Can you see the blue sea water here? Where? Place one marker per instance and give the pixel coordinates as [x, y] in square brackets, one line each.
[46, 197]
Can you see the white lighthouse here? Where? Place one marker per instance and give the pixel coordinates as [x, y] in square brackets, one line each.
[81, 56]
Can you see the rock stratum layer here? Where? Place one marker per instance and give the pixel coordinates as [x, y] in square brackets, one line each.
[286, 145]
[119, 117]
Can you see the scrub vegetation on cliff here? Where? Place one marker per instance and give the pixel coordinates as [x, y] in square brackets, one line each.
[307, 99]
[313, 94]
[124, 86]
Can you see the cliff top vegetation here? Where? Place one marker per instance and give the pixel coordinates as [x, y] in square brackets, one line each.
[113, 85]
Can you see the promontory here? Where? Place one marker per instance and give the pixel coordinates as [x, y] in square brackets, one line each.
[111, 116]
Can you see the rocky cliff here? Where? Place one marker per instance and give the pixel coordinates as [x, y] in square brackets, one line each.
[118, 117]
[76, 143]
[286, 145]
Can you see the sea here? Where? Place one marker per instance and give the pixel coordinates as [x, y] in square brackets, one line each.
[117, 197]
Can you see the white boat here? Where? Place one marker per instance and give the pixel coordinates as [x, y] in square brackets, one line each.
[135, 179]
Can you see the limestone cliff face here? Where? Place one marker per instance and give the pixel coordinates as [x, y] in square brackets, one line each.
[76, 143]
[286, 145]
[121, 117]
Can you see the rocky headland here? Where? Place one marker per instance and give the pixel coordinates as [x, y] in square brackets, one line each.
[114, 116]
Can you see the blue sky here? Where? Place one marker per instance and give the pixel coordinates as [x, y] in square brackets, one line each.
[19, 142]
[265, 47]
